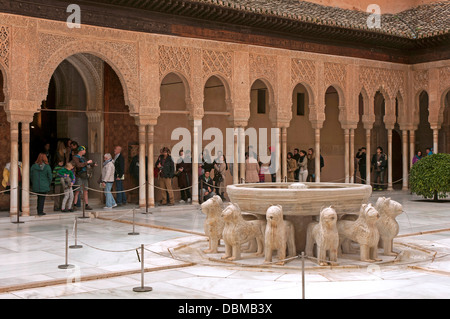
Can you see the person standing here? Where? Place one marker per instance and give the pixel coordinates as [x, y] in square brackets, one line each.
[67, 179]
[184, 174]
[108, 179]
[119, 176]
[251, 169]
[291, 167]
[220, 168]
[361, 156]
[57, 187]
[81, 175]
[311, 166]
[296, 156]
[166, 168]
[303, 163]
[41, 179]
[379, 164]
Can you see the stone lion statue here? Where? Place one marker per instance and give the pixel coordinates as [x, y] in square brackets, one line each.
[279, 235]
[325, 235]
[363, 231]
[387, 225]
[214, 222]
[238, 231]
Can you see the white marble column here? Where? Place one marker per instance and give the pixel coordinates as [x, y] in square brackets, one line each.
[412, 146]
[352, 155]
[347, 154]
[368, 159]
[277, 154]
[317, 151]
[235, 156]
[405, 159]
[389, 134]
[435, 140]
[14, 170]
[284, 153]
[241, 156]
[25, 169]
[142, 137]
[197, 124]
[150, 164]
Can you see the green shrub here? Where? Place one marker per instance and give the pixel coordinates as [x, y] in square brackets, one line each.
[430, 176]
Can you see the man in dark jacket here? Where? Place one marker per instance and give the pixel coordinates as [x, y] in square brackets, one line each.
[379, 163]
[119, 176]
[166, 168]
[361, 157]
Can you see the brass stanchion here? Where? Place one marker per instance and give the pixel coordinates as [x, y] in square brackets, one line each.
[66, 265]
[133, 233]
[142, 288]
[76, 246]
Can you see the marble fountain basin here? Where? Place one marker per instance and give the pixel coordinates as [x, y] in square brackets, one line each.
[257, 197]
[301, 202]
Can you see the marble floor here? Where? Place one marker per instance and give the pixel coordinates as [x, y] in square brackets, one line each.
[108, 264]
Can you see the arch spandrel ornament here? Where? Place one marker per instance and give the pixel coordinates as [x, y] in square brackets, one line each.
[121, 57]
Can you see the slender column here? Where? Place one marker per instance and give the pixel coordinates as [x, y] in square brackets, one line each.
[317, 151]
[389, 134]
[435, 140]
[412, 146]
[197, 124]
[368, 164]
[25, 169]
[352, 155]
[142, 136]
[14, 170]
[150, 164]
[347, 154]
[241, 157]
[278, 154]
[235, 157]
[405, 159]
[284, 153]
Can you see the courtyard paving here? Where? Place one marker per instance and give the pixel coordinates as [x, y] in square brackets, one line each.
[108, 264]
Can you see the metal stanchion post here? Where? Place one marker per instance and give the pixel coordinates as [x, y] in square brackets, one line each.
[76, 231]
[66, 265]
[133, 233]
[18, 207]
[142, 288]
[303, 275]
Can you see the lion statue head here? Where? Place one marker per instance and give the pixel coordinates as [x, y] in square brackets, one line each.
[212, 206]
[274, 214]
[389, 207]
[328, 217]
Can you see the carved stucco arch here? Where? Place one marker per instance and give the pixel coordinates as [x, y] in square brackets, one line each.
[442, 105]
[5, 77]
[273, 108]
[91, 79]
[104, 51]
[227, 88]
[184, 78]
[341, 102]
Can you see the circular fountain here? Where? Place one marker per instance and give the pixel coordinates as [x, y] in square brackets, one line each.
[301, 202]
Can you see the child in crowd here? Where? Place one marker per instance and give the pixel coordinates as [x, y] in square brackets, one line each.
[67, 179]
